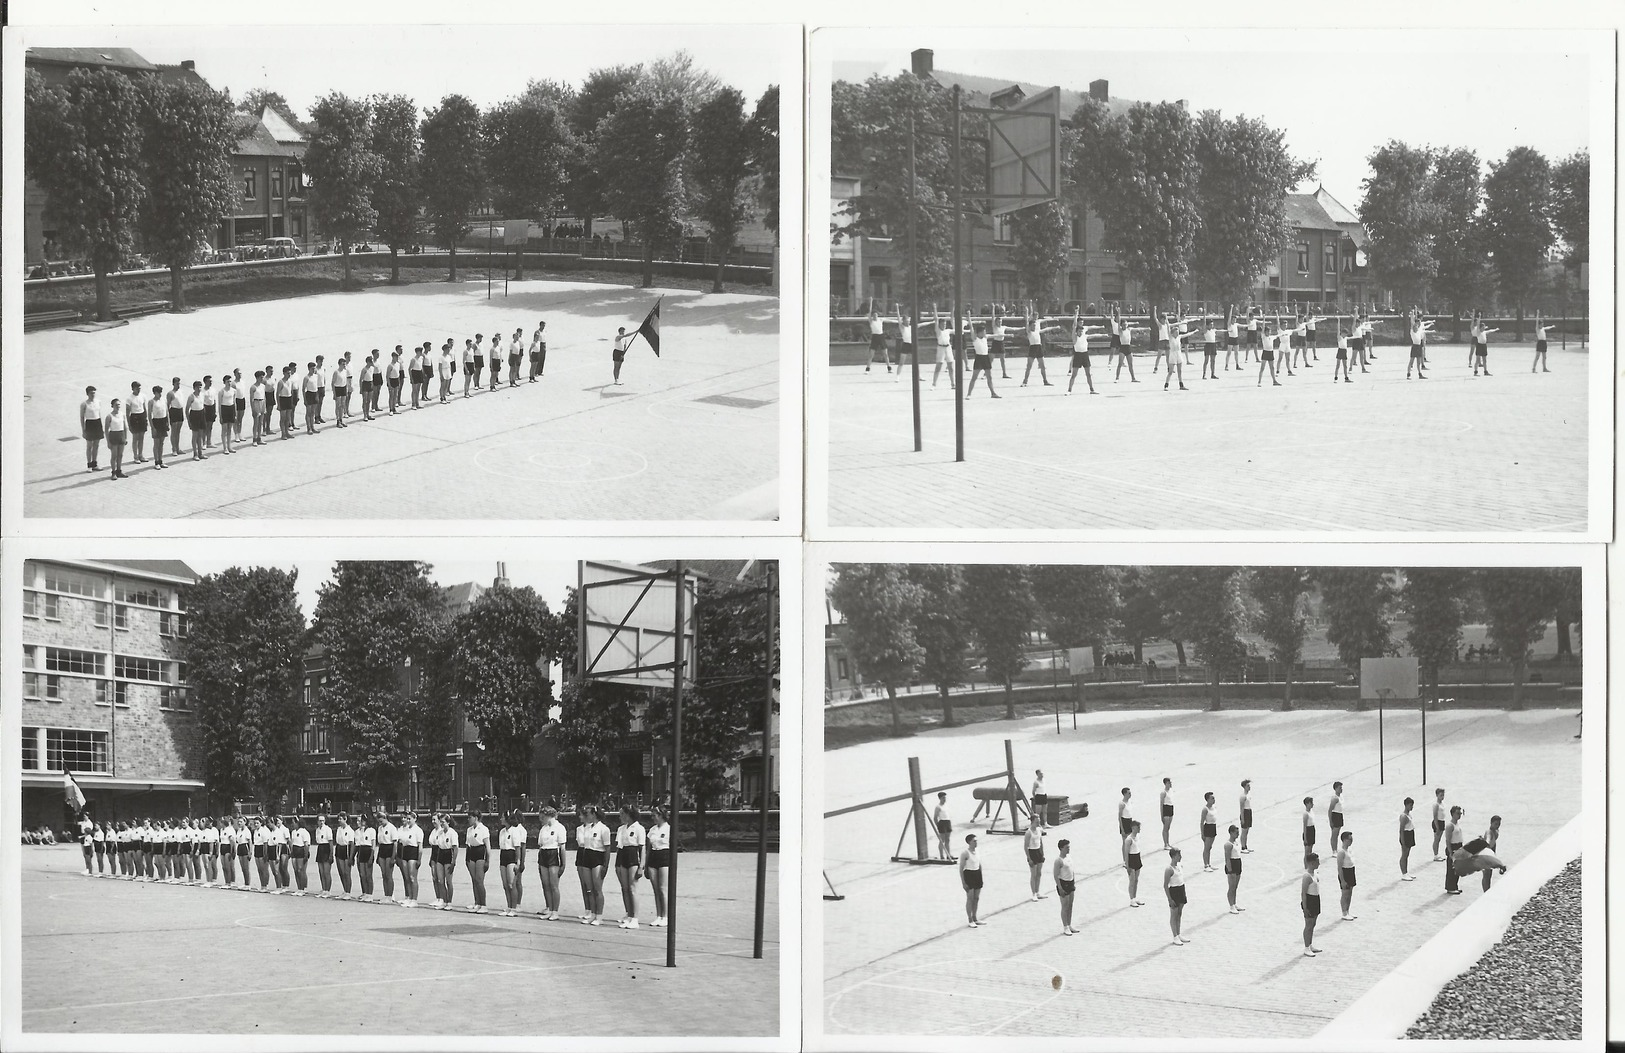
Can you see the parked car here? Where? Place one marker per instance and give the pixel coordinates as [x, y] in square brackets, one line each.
[277, 247]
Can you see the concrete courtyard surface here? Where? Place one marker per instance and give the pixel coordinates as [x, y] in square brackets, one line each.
[899, 957]
[1452, 453]
[690, 435]
[103, 956]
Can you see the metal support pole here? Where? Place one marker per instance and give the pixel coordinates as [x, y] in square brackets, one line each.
[1382, 755]
[914, 287]
[1424, 742]
[767, 762]
[676, 768]
[917, 808]
[959, 265]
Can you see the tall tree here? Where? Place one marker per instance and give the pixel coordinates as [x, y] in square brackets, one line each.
[941, 629]
[878, 604]
[82, 146]
[397, 194]
[1076, 604]
[186, 150]
[724, 153]
[371, 617]
[1244, 173]
[1400, 216]
[1456, 191]
[1000, 608]
[599, 95]
[1518, 602]
[1040, 247]
[342, 169]
[1140, 614]
[1432, 601]
[1206, 606]
[1280, 593]
[1518, 222]
[1571, 205]
[764, 125]
[869, 138]
[1355, 602]
[256, 100]
[527, 147]
[1148, 196]
[639, 151]
[1569, 610]
[453, 173]
[242, 653]
[497, 644]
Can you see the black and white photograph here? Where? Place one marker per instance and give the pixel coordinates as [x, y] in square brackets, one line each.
[1088, 797]
[536, 271]
[491, 741]
[1201, 213]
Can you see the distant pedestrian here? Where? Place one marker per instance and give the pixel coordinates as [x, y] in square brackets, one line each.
[970, 879]
[1173, 886]
[1065, 884]
[1407, 840]
[1345, 874]
[1232, 868]
[91, 428]
[1309, 896]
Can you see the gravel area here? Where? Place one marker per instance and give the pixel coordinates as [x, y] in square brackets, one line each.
[1528, 985]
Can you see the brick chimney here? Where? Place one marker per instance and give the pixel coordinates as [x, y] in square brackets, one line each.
[1097, 90]
[922, 59]
[188, 64]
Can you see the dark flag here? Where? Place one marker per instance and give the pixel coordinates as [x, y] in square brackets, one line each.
[650, 329]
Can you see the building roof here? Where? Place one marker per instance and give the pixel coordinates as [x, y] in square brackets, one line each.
[179, 74]
[980, 90]
[1334, 208]
[169, 568]
[255, 140]
[113, 58]
[724, 570]
[462, 596]
[1304, 211]
[283, 131]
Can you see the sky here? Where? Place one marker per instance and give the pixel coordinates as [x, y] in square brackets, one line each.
[426, 63]
[549, 578]
[1336, 96]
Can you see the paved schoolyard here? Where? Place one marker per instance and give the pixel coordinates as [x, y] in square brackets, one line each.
[690, 435]
[1453, 453]
[101, 955]
[900, 959]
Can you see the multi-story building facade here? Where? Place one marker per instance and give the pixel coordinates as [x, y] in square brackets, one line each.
[869, 269]
[105, 690]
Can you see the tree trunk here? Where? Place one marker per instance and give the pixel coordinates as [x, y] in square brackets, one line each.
[104, 296]
[1179, 649]
[1517, 681]
[896, 713]
[1565, 646]
[394, 265]
[1286, 697]
[345, 245]
[699, 826]
[1517, 330]
[648, 262]
[1139, 652]
[1455, 326]
[177, 288]
[947, 706]
[1214, 683]
[722, 261]
[453, 276]
[519, 263]
[586, 229]
[1009, 699]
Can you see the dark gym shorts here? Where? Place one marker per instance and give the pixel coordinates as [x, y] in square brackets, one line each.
[509, 857]
[1080, 360]
[1308, 836]
[1208, 350]
[242, 850]
[1124, 826]
[410, 853]
[659, 857]
[196, 420]
[1246, 818]
[259, 851]
[138, 423]
[228, 414]
[386, 851]
[944, 826]
[1035, 856]
[1416, 350]
[468, 369]
[363, 855]
[160, 426]
[590, 857]
[1035, 350]
[973, 879]
[1167, 811]
[286, 402]
[1176, 895]
[299, 852]
[1232, 341]
[211, 412]
[476, 853]
[416, 375]
[1134, 861]
[554, 857]
[341, 851]
[620, 356]
[1208, 829]
[1063, 886]
[1269, 354]
[877, 342]
[1343, 352]
[1348, 877]
[1232, 866]
[1438, 826]
[626, 857]
[176, 416]
[982, 361]
[324, 852]
[1311, 906]
[1540, 347]
[310, 398]
[1407, 838]
[479, 361]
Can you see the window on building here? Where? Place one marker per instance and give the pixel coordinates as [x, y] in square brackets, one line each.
[880, 286]
[250, 185]
[31, 685]
[296, 181]
[296, 226]
[1077, 232]
[129, 667]
[276, 182]
[172, 624]
[69, 750]
[143, 595]
[1074, 286]
[66, 660]
[56, 580]
[121, 617]
[53, 689]
[101, 614]
[171, 698]
[180, 673]
[1003, 234]
[1303, 257]
[1348, 262]
[842, 670]
[316, 738]
[31, 604]
[30, 656]
[30, 749]
[1329, 259]
[1004, 286]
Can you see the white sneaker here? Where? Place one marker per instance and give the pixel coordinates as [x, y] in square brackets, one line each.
[1178, 942]
[1235, 910]
[631, 923]
[586, 919]
[596, 921]
[972, 924]
[621, 924]
[1065, 931]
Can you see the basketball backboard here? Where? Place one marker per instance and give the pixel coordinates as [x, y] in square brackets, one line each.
[1080, 660]
[1396, 676]
[626, 624]
[515, 231]
[1024, 153]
